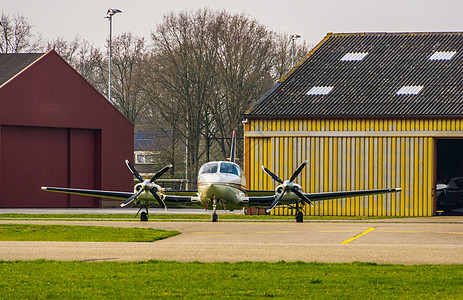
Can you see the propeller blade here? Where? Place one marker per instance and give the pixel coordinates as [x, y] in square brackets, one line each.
[302, 197]
[160, 173]
[269, 173]
[128, 201]
[155, 195]
[275, 203]
[298, 170]
[134, 172]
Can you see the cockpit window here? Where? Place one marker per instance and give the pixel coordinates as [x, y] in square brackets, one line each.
[229, 168]
[209, 168]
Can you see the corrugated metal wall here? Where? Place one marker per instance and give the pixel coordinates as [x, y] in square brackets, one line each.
[351, 155]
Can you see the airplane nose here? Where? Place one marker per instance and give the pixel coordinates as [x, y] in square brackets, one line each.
[209, 190]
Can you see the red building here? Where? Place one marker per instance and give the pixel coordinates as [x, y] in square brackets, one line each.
[57, 130]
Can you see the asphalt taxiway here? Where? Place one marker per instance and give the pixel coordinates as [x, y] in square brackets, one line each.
[436, 240]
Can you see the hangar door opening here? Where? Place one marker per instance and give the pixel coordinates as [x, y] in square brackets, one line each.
[449, 176]
[32, 157]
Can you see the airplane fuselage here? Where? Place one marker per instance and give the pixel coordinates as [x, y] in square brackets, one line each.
[222, 182]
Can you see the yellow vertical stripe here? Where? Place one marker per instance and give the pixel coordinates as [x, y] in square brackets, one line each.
[345, 163]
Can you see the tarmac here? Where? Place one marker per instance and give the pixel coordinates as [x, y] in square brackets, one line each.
[427, 240]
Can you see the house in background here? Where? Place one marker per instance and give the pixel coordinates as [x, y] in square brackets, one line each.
[57, 130]
[144, 155]
[367, 110]
[147, 153]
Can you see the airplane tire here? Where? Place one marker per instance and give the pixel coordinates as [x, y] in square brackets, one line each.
[143, 217]
[214, 218]
[299, 217]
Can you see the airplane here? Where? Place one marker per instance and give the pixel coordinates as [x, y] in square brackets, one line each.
[221, 184]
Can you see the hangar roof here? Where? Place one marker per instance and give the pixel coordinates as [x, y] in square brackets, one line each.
[372, 74]
[13, 63]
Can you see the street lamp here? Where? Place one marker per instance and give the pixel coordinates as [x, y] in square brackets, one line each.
[294, 37]
[109, 15]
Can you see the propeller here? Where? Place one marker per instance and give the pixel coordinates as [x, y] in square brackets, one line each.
[128, 201]
[287, 186]
[134, 171]
[270, 173]
[147, 184]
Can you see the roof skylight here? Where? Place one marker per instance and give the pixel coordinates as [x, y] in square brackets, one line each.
[320, 90]
[442, 55]
[354, 56]
[410, 90]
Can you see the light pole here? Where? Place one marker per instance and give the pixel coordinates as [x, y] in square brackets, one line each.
[109, 15]
[294, 37]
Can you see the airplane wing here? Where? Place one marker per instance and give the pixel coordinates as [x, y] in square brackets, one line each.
[258, 198]
[348, 194]
[180, 198]
[257, 193]
[261, 201]
[94, 193]
[179, 201]
[266, 200]
[192, 193]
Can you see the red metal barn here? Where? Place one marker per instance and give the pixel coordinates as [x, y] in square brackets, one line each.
[57, 130]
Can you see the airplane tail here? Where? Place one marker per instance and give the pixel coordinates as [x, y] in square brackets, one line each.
[233, 148]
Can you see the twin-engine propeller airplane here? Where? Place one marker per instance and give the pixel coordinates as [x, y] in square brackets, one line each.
[221, 184]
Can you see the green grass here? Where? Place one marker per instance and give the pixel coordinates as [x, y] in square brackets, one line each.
[154, 279]
[205, 216]
[67, 216]
[69, 233]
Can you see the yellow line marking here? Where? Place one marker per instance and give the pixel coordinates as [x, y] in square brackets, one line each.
[358, 235]
[208, 232]
[276, 231]
[415, 231]
[401, 231]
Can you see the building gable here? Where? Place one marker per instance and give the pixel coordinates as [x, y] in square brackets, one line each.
[13, 64]
[56, 127]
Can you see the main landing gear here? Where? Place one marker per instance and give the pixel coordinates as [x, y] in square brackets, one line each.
[299, 214]
[144, 216]
[299, 217]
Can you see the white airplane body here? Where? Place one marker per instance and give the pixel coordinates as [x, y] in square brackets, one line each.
[221, 184]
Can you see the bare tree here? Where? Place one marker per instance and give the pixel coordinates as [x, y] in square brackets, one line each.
[127, 66]
[16, 35]
[205, 70]
[83, 56]
[164, 117]
[185, 75]
[282, 54]
[127, 61]
[244, 71]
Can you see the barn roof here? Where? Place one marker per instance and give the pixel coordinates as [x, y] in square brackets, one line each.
[372, 74]
[13, 63]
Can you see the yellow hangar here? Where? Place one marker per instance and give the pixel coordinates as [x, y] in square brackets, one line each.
[368, 111]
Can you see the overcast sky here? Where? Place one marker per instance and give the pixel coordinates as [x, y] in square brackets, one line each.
[311, 19]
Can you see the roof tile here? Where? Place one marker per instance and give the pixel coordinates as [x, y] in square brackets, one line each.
[369, 87]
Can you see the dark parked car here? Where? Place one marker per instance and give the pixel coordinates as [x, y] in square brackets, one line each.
[449, 195]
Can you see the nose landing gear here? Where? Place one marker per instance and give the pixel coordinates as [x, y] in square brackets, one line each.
[143, 214]
[215, 218]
